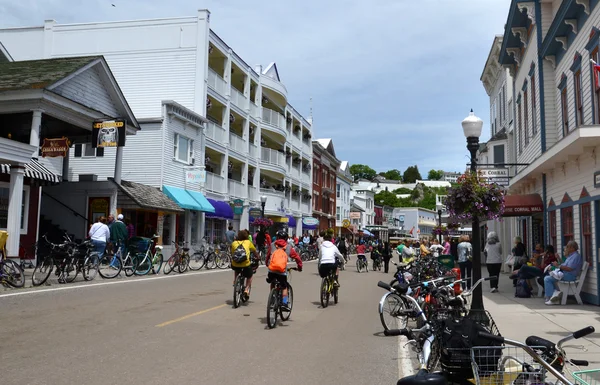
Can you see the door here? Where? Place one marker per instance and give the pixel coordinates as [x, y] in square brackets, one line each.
[97, 207]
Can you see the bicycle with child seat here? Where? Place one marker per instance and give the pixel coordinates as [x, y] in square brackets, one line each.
[275, 308]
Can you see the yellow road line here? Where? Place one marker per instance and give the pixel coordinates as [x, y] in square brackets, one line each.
[189, 316]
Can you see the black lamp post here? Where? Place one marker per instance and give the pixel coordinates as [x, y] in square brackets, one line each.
[440, 225]
[263, 201]
[472, 129]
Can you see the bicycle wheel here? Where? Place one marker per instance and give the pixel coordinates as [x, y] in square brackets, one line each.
[110, 266]
[238, 290]
[197, 261]
[183, 264]
[325, 292]
[392, 312]
[157, 262]
[131, 267]
[90, 267]
[272, 308]
[13, 273]
[224, 261]
[336, 293]
[42, 271]
[170, 265]
[358, 265]
[286, 313]
[144, 266]
[71, 270]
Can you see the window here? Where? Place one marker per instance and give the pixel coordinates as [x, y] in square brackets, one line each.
[4, 199]
[552, 221]
[525, 118]
[566, 216]
[503, 104]
[338, 190]
[586, 230]
[596, 89]
[533, 107]
[564, 111]
[520, 130]
[510, 112]
[578, 100]
[86, 150]
[499, 154]
[183, 149]
[338, 210]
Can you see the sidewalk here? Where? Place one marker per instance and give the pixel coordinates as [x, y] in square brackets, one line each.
[518, 318]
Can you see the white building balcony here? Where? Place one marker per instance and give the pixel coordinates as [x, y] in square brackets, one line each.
[237, 189]
[295, 171]
[252, 193]
[237, 143]
[215, 132]
[215, 183]
[253, 153]
[238, 99]
[275, 200]
[305, 206]
[274, 120]
[306, 147]
[273, 159]
[216, 82]
[254, 110]
[296, 141]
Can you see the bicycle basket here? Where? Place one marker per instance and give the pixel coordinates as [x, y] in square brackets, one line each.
[138, 245]
[499, 365]
[587, 377]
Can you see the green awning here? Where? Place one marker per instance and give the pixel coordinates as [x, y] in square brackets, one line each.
[186, 200]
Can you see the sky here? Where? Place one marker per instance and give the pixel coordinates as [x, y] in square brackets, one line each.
[390, 80]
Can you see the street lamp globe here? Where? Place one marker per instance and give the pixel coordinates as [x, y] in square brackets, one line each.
[472, 126]
[263, 199]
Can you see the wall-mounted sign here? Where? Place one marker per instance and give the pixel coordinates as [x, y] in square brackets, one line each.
[346, 223]
[238, 206]
[255, 212]
[354, 215]
[310, 221]
[401, 218]
[195, 176]
[53, 148]
[108, 133]
[597, 179]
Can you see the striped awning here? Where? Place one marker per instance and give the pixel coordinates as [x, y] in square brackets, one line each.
[34, 170]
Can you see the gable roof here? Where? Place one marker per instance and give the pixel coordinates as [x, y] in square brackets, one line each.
[327, 144]
[344, 165]
[271, 71]
[4, 54]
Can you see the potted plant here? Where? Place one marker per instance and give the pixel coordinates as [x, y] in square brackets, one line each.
[296, 129]
[475, 198]
[288, 120]
[439, 230]
[264, 222]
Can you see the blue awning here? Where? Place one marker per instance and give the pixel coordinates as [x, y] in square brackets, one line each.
[291, 221]
[201, 199]
[222, 210]
[186, 200]
[366, 232]
[309, 227]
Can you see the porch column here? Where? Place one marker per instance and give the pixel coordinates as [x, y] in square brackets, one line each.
[200, 227]
[245, 217]
[15, 201]
[65, 166]
[34, 136]
[187, 232]
[172, 229]
[298, 226]
[118, 164]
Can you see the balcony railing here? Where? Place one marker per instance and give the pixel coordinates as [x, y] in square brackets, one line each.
[306, 146]
[216, 82]
[253, 151]
[215, 183]
[272, 157]
[238, 98]
[295, 172]
[305, 207]
[215, 132]
[252, 193]
[236, 189]
[271, 191]
[237, 143]
[254, 110]
[273, 118]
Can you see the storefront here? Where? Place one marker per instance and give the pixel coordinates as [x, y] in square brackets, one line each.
[216, 222]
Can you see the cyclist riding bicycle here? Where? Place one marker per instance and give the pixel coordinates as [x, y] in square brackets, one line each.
[276, 261]
[361, 250]
[247, 268]
[341, 245]
[330, 259]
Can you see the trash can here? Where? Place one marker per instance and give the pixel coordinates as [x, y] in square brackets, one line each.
[446, 260]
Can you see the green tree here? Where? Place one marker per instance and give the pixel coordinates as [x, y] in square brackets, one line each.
[361, 171]
[435, 174]
[411, 175]
[403, 190]
[392, 174]
[388, 198]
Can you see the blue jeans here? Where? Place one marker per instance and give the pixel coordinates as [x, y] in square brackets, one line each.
[99, 247]
[550, 282]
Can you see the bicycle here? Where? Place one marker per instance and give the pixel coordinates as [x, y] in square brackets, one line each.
[179, 259]
[11, 273]
[377, 264]
[274, 303]
[362, 264]
[239, 287]
[328, 288]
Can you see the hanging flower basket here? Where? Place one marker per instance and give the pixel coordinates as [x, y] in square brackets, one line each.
[453, 226]
[264, 222]
[230, 166]
[439, 230]
[265, 100]
[475, 198]
[296, 129]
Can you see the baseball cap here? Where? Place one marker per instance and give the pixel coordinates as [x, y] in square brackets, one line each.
[120, 217]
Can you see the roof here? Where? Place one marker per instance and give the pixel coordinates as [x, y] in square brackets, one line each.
[148, 197]
[4, 54]
[344, 164]
[272, 72]
[39, 74]
[500, 135]
[356, 208]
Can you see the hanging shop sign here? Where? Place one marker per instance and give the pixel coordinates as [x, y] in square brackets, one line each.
[238, 206]
[195, 176]
[108, 133]
[346, 223]
[255, 212]
[310, 221]
[53, 148]
[597, 179]
[354, 215]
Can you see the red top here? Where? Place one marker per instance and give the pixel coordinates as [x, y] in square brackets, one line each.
[283, 244]
[548, 259]
[267, 239]
[361, 249]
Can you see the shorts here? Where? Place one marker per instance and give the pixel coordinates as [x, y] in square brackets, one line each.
[246, 272]
[362, 256]
[326, 269]
[273, 277]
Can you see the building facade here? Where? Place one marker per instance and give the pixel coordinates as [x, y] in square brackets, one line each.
[256, 144]
[342, 194]
[548, 46]
[325, 170]
[363, 198]
[451, 177]
[417, 222]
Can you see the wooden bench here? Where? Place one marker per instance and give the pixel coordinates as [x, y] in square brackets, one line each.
[574, 287]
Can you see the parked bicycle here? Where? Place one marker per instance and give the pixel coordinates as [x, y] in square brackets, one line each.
[11, 273]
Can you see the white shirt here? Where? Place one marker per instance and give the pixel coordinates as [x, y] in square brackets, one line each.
[99, 232]
[328, 252]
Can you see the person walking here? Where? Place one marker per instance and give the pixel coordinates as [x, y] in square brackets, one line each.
[387, 254]
[493, 259]
[99, 235]
[465, 255]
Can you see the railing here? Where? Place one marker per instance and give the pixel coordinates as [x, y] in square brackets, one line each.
[273, 157]
[306, 146]
[252, 193]
[273, 118]
[215, 182]
[237, 143]
[253, 151]
[271, 191]
[305, 206]
[237, 189]
[253, 110]
[64, 205]
[295, 172]
[238, 98]
[216, 82]
[215, 132]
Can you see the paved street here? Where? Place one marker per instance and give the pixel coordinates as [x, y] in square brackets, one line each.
[182, 329]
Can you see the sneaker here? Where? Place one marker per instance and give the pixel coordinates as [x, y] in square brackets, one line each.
[550, 303]
[336, 284]
[556, 294]
[494, 290]
[555, 299]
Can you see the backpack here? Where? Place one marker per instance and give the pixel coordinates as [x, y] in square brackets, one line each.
[239, 254]
[278, 262]
[522, 290]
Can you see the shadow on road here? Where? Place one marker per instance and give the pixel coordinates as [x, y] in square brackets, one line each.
[380, 334]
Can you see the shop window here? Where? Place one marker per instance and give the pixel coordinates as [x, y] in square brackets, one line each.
[183, 149]
[85, 150]
[338, 214]
[566, 216]
[4, 199]
[552, 220]
[586, 230]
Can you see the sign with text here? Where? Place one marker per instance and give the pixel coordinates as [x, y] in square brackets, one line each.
[108, 133]
[522, 210]
[53, 148]
[597, 179]
[310, 221]
[195, 176]
[354, 215]
[346, 223]
[238, 206]
[495, 175]
[255, 212]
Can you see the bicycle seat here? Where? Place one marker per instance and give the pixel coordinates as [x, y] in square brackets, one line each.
[401, 288]
[158, 247]
[423, 378]
[535, 341]
[185, 248]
